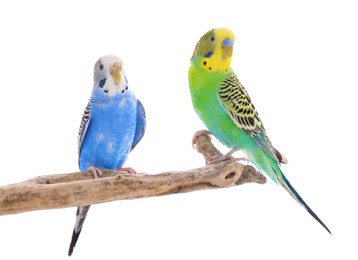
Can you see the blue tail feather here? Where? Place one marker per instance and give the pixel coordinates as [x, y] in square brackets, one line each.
[287, 185]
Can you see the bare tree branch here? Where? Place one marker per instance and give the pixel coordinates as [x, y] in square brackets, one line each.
[79, 188]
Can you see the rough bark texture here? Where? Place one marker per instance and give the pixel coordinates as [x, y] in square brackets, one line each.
[79, 188]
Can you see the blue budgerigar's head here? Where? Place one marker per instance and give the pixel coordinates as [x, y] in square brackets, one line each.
[109, 78]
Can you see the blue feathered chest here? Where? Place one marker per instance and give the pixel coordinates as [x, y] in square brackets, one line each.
[110, 132]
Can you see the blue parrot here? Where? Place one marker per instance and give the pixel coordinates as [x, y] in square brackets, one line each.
[112, 124]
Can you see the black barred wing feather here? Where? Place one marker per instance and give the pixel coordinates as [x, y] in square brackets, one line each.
[237, 103]
[86, 118]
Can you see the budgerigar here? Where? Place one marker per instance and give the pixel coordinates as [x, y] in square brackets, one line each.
[113, 123]
[225, 107]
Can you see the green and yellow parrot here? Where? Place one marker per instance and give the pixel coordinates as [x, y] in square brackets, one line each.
[223, 104]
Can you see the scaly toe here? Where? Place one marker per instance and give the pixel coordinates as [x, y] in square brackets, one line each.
[97, 173]
[128, 169]
[225, 157]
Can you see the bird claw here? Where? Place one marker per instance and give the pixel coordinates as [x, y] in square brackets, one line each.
[128, 169]
[97, 173]
[194, 141]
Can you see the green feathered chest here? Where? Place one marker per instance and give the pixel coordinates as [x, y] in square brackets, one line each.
[204, 88]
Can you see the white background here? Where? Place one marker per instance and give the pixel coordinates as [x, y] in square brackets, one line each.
[297, 60]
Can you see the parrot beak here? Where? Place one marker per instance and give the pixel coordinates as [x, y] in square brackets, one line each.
[227, 47]
[115, 71]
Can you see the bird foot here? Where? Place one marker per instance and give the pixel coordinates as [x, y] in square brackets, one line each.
[228, 156]
[194, 141]
[216, 158]
[97, 173]
[128, 169]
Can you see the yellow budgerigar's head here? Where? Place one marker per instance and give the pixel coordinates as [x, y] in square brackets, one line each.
[213, 52]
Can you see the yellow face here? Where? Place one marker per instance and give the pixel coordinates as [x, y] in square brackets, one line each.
[214, 50]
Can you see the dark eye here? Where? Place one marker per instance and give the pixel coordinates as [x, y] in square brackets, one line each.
[212, 39]
[101, 67]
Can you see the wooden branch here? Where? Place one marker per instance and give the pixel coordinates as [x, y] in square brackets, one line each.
[79, 188]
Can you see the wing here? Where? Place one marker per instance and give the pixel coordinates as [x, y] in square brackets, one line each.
[141, 124]
[86, 119]
[237, 103]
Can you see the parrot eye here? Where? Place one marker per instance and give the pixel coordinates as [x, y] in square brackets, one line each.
[212, 39]
[101, 67]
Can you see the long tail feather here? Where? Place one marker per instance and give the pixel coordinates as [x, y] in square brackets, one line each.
[73, 241]
[288, 187]
[81, 216]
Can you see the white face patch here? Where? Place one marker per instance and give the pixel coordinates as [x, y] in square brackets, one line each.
[102, 72]
[114, 88]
